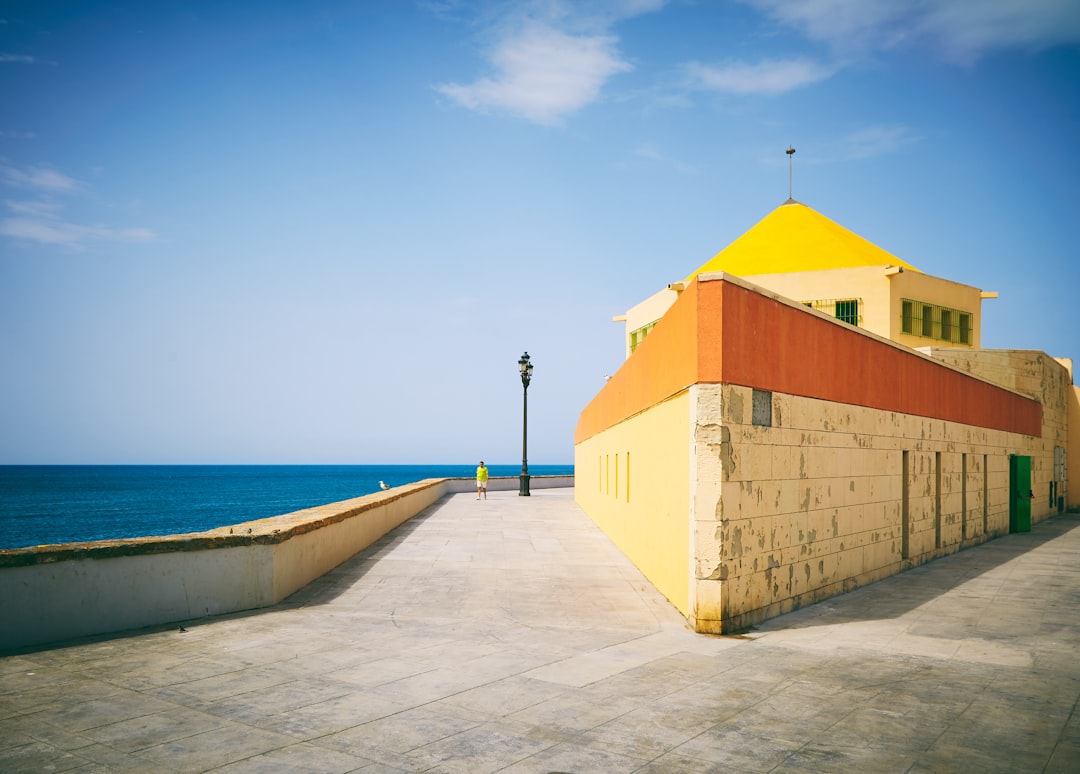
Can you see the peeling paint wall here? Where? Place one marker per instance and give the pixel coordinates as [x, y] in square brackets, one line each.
[815, 504]
[1072, 459]
[1049, 381]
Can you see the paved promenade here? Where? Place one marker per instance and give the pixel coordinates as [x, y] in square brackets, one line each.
[510, 635]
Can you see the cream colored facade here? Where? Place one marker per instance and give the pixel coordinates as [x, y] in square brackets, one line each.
[880, 293]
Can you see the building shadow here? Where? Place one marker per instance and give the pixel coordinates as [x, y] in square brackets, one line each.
[906, 591]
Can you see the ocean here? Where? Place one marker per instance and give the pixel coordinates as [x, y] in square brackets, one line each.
[43, 504]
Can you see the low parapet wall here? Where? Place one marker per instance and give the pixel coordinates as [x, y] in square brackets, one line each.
[58, 592]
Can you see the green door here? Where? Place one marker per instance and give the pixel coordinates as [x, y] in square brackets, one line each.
[1020, 493]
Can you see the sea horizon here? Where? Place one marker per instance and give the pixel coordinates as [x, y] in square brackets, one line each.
[47, 504]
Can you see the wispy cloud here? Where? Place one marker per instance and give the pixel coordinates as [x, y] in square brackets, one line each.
[768, 77]
[53, 231]
[550, 59]
[17, 58]
[39, 179]
[649, 152]
[961, 31]
[873, 141]
[40, 220]
[866, 142]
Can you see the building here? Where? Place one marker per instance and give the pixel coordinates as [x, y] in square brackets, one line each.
[781, 431]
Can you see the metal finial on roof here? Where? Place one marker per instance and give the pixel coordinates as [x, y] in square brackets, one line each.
[790, 152]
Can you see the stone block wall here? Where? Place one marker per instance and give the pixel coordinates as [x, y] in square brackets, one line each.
[817, 502]
[1049, 381]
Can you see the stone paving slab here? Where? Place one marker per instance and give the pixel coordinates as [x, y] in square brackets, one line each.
[509, 635]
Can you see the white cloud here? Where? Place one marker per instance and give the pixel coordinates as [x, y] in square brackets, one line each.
[36, 209]
[969, 29]
[53, 231]
[548, 58]
[39, 220]
[39, 179]
[542, 74]
[771, 76]
[958, 30]
[17, 58]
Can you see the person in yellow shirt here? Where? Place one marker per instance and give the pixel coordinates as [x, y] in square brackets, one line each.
[481, 481]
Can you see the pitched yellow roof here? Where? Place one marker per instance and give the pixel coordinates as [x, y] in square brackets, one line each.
[794, 238]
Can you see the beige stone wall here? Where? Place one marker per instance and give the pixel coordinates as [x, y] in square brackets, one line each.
[814, 505]
[1048, 380]
[1072, 466]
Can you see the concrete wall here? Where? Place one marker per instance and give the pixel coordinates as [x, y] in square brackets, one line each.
[51, 593]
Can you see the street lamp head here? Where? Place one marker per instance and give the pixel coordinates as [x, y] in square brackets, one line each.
[526, 370]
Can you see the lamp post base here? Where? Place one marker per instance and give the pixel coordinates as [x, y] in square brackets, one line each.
[523, 489]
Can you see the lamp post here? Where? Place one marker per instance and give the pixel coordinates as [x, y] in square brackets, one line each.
[526, 377]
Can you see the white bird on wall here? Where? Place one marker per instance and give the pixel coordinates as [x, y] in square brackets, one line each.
[383, 485]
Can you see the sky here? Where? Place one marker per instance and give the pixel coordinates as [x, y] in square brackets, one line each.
[325, 232]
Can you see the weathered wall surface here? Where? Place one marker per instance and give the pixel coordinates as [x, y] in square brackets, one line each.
[815, 503]
[1072, 467]
[1049, 381]
[50, 593]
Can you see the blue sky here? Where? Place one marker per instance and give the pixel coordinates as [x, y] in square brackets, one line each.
[324, 232]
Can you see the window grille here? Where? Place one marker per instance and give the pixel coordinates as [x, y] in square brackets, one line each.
[931, 321]
[845, 309]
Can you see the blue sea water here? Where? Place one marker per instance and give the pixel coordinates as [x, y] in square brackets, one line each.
[43, 504]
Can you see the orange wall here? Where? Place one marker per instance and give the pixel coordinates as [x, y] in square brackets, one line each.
[662, 365]
[721, 332]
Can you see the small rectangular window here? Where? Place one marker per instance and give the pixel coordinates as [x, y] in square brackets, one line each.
[965, 328]
[946, 325]
[848, 311]
[907, 312]
[637, 336]
[928, 321]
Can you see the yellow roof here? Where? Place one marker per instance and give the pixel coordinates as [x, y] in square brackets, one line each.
[793, 238]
